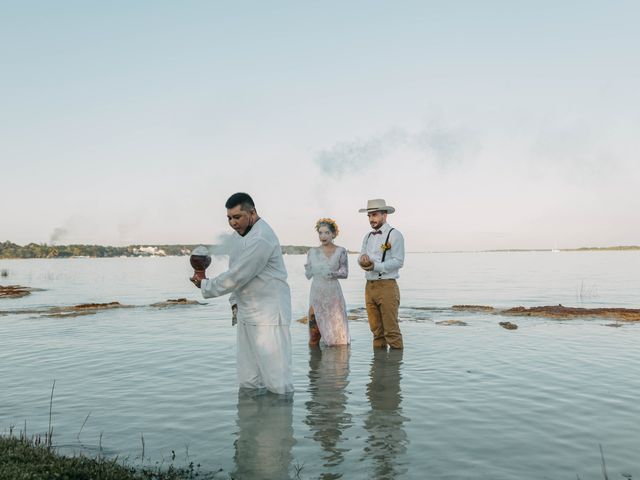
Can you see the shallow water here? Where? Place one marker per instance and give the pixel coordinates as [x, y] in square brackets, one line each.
[473, 401]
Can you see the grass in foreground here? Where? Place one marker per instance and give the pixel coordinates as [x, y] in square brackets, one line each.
[23, 459]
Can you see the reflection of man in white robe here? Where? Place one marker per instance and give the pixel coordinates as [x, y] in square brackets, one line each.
[257, 281]
[265, 436]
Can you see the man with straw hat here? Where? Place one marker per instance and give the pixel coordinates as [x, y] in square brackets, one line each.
[381, 257]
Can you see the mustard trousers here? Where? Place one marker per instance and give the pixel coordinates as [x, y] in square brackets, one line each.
[382, 299]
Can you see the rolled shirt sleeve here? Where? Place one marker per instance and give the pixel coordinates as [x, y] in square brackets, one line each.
[256, 278]
[363, 250]
[250, 263]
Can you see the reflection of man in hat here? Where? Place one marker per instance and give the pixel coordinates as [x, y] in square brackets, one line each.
[382, 256]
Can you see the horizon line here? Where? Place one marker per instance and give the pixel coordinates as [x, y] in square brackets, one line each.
[491, 250]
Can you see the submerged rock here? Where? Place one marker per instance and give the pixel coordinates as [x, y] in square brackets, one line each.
[452, 322]
[560, 311]
[91, 308]
[176, 301]
[13, 291]
[81, 309]
[16, 291]
[67, 311]
[69, 314]
[508, 325]
[96, 306]
[473, 308]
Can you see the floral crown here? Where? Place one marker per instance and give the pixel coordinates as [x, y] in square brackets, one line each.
[333, 226]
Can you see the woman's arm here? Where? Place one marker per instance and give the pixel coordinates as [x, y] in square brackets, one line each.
[343, 265]
[308, 270]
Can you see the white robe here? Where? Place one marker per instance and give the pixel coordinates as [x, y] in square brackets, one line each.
[257, 281]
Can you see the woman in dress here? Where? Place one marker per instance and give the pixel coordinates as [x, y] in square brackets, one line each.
[327, 309]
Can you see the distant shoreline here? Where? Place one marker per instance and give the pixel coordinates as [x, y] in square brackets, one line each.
[9, 250]
[621, 248]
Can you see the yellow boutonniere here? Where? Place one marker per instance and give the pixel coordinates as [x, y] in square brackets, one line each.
[385, 246]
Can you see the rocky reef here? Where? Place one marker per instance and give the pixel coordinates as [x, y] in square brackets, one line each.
[562, 312]
[16, 291]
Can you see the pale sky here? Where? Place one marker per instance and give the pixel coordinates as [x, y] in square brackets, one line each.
[487, 124]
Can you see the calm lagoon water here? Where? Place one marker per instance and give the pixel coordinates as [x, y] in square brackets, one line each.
[475, 402]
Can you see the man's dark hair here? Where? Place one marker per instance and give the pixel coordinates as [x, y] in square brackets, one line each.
[242, 199]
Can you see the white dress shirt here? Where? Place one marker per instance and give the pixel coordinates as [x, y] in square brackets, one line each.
[257, 278]
[371, 245]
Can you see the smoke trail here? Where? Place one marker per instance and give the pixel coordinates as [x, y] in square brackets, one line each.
[350, 157]
[222, 245]
[58, 234]
[443, 146]
[446, 147]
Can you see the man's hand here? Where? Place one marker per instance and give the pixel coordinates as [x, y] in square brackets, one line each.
[234, 314]
[365, 263]
[197, 278]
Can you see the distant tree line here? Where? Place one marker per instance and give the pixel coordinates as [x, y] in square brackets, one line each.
[40, 250]
[619, 247]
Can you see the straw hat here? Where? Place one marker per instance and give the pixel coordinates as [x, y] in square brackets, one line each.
[377, 204]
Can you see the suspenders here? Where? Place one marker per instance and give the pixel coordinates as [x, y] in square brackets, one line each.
[384, 253]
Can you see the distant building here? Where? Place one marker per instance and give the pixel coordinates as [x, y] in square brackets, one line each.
[149, 252]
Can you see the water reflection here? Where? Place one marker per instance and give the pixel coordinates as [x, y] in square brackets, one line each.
[387, 440]
[265, 436]
[327, 415]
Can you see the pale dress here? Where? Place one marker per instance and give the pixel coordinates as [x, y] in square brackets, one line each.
[326, 296]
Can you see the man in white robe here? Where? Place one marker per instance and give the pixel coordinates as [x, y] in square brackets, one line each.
[257, 282]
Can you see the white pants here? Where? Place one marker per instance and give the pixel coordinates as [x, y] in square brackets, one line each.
[264, 357]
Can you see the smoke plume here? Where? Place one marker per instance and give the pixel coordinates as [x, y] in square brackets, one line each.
[445, 147]
[58, 234]
[222, 245]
